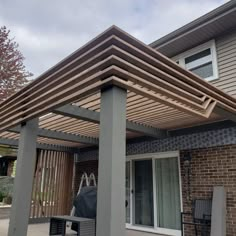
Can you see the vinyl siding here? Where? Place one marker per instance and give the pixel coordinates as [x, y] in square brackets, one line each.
[226, 57]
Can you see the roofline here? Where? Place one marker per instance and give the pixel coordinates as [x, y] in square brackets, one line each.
[195, 23]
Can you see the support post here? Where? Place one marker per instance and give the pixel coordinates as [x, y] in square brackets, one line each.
[23, 182]
[218, 218]
[111, 172]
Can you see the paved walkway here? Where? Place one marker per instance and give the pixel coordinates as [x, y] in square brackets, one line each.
[4, 212]
[43, 230]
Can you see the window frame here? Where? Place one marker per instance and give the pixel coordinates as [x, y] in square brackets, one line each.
[208, 45]
[153, 157]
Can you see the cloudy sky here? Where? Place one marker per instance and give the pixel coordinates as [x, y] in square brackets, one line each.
[49, 30]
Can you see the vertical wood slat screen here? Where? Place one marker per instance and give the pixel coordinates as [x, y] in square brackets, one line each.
[52, 187]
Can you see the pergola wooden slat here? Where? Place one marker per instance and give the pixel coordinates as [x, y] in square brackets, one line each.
[112, 85]
[114, 58]
[159, 90]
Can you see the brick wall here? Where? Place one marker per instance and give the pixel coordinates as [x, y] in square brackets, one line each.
[209, 167]
[81, 167]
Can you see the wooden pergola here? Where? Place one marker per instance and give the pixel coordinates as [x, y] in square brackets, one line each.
[112, 88]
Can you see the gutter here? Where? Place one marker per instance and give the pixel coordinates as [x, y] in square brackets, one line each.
[205, 19]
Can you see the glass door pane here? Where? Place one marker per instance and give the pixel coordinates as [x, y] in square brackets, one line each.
[127, 197]
[168, 193]
[143, 197]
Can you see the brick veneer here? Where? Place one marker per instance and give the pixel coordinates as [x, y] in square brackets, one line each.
[210, 167]
[215, 166]
[81, 167]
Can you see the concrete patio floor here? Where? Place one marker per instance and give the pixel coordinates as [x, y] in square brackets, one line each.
[33, 229]
[43, 229]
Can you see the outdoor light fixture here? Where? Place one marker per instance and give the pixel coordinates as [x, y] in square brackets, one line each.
[187, 159]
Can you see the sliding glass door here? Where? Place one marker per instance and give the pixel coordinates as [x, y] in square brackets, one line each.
[128, 192]
[153, 192]
[143, 193]
[167, 193]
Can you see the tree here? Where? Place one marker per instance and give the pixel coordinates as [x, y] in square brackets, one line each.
[6, 150]
[13, 74]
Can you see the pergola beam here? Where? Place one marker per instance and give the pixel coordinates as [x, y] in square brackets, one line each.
[94, 116]
[224, 113]
[15, 143]
[147, 130]
[61, 136]
[78, 113]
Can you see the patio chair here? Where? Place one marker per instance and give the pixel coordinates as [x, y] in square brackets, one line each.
[201, 217]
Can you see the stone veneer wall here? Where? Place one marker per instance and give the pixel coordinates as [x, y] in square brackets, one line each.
[211, 138]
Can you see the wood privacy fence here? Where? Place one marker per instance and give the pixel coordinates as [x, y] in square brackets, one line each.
[52, 187]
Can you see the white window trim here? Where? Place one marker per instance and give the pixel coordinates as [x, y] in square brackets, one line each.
[155, 229]
[210, 44]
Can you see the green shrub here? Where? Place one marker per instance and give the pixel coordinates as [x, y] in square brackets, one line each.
[6, 186]
[2, 195]
[7, 200]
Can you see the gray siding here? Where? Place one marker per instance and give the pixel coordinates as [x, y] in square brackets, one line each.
[226, 56]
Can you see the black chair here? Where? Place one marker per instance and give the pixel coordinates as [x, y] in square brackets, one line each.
[201, 216]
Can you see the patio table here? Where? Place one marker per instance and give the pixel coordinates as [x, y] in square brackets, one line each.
[86, 227]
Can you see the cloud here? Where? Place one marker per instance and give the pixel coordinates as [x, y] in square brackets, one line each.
[47, 31]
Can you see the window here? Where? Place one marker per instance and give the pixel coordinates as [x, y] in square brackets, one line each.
[200, 60]
[153, 193]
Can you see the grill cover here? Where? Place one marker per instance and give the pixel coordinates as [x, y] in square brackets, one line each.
[86, 204]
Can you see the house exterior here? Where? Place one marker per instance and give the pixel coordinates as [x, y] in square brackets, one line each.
[163, 177]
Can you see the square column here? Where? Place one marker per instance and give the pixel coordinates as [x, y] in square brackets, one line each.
[26, 158]
[111, 170]
[218, 214]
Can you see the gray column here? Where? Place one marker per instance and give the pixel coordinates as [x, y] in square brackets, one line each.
[218, 218]
[25, 167]
[111, 171]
